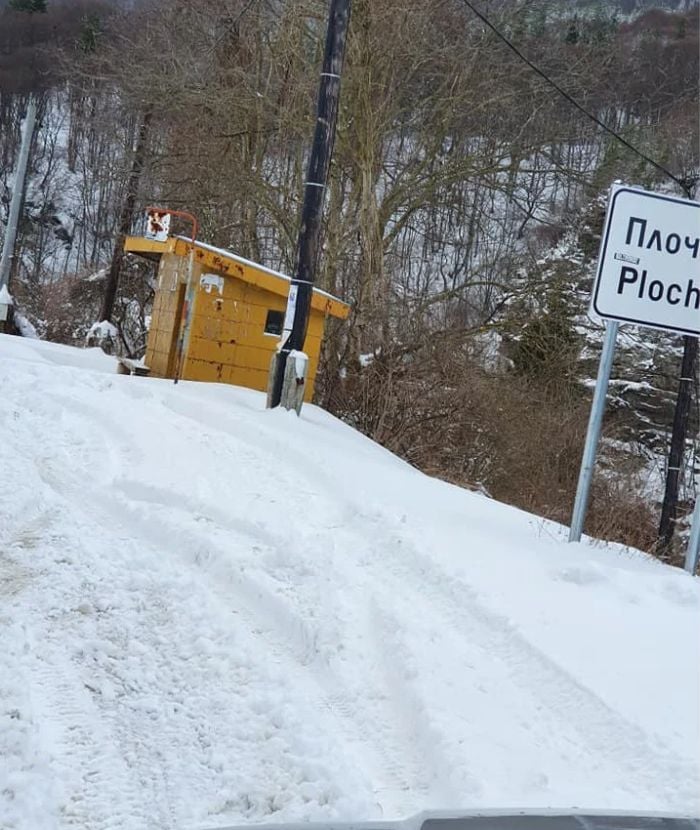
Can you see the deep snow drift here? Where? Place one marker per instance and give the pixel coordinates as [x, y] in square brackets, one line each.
[210, 613]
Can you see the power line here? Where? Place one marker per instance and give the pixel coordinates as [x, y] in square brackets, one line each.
[684, 184]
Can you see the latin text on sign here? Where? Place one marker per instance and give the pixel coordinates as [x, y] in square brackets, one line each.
[649, 268]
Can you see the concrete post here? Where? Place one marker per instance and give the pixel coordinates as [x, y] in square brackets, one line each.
[8, 247]
[294, 380]
[6, 306]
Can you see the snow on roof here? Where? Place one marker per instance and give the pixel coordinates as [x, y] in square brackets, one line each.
[243, 261]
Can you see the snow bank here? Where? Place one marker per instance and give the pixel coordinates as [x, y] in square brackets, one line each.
[212, 613]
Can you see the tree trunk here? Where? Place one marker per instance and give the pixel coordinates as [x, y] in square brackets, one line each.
[125, 220]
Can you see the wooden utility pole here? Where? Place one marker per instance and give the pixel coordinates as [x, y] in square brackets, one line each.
[681, 417]
[678, 438]
[125, 220]
[300, 291]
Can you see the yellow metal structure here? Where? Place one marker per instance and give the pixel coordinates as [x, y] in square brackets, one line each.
[235, 306]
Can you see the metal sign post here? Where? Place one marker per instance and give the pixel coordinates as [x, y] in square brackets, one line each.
[647, 275]
[595, 423]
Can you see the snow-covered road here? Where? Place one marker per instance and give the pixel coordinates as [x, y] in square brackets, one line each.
[210, 613]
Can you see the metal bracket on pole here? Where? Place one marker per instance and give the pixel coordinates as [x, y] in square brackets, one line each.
[693, 552]
[595, 423]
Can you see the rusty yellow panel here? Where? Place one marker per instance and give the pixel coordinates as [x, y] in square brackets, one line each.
[165, 321]
[210, 316]
[313, 363]
[317, 324]
[310, 382]
[257, 314]
[253, 335]
[229, 331]
[247, 307]
[151, 342]
[254, 330]
[249, 357]
[217, 328]
[141, 245]
[172, 271]
[158, 364]
[233, 289]
[211, 351]
[211, 328]
[254, 306]
[203, 370]
[160, 333]
[213, 306]
[164, 341]
[312, 346]
[262, 297]
[250, 378]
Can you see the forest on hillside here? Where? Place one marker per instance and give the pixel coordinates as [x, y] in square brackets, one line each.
[463, 216]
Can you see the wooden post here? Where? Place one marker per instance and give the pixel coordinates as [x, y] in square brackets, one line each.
[677, 449]
[681, 416]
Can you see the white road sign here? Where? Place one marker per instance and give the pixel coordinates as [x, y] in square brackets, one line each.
[649, 267]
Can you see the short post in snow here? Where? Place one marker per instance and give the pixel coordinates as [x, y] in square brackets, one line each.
[595, 423]
[693, 553]
[294, 383]
[6, 304]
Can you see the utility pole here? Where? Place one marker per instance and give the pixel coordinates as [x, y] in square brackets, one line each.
[8, 248]
[679, 432]
[678, 438]
[290, 384]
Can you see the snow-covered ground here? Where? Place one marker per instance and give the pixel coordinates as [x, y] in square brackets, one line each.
[211, 613]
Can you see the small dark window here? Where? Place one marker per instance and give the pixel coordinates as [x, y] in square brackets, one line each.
[274, 322]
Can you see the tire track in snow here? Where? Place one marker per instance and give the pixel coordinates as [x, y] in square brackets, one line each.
[401, 775]
[13, 576]
[289, 635]
[102, 790]
[102, 793]
[393, 662]
[600, 727]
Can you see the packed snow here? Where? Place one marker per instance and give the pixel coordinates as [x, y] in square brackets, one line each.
[211, 613]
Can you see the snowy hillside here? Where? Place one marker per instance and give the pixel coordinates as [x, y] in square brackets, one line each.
[211, 613]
